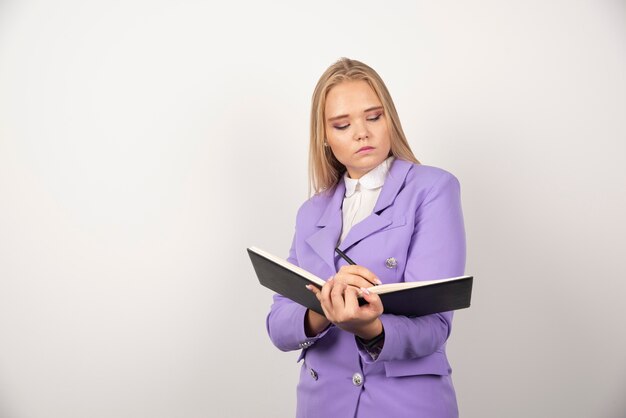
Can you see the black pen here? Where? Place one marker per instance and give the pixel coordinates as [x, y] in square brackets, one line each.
[345, 257]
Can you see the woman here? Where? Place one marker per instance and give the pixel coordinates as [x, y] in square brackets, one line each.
[399, 221]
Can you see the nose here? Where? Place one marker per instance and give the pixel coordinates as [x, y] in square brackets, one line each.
[361, 132]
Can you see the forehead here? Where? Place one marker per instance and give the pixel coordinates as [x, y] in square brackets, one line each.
[350, 97]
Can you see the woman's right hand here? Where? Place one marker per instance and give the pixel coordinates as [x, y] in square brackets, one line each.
[356, 276]
[341, 307]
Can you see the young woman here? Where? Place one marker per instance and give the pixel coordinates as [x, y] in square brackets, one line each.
[398, 221]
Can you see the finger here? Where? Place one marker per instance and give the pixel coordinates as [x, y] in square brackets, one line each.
[374, 302]
[353, 280]
[322, 296]
[327, 313]
[315, 290]
[327, 288]
[351, 301]
[325, 298]
[336, 296]
[363, 272]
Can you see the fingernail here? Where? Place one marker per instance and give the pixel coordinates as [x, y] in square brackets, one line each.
[378, 281]
[308, 286]
[366, 291]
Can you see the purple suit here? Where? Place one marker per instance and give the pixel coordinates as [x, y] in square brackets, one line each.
[418, 221]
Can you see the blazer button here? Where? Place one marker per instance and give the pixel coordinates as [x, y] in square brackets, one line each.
[313, 374]
[391, 263]
[357, 379]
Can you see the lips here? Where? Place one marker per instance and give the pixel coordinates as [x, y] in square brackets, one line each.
[363, 149]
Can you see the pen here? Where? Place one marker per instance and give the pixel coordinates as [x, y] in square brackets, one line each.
[352, 263]
[344, 256]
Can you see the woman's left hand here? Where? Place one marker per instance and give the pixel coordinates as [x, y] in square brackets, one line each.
[341, 307]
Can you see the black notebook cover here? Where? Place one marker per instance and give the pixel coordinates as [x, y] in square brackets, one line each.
[289, 280]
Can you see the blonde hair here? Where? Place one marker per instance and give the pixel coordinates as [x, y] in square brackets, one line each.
[324, 169]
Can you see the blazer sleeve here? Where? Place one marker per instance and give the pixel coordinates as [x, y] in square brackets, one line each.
[437, 250]
[285, 321]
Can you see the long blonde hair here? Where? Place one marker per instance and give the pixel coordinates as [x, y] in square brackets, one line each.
[324, 169]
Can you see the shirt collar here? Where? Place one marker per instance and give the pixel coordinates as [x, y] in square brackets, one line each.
[372, 180]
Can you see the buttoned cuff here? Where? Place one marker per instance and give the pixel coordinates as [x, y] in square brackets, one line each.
[370, 354]
[372, 347]
[373, 354]
[304, 341]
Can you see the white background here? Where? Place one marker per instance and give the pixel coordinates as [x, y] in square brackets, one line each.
[145, 144]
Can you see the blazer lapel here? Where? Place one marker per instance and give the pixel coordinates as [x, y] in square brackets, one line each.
[395, 179]
[375, 222]
[323, 241]
[364, 228]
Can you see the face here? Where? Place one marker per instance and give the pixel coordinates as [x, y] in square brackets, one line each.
[356, 127]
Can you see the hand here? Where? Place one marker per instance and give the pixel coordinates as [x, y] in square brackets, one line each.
[341, 307]
[357, 276]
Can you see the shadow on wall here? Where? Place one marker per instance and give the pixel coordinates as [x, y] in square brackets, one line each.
[620, 405]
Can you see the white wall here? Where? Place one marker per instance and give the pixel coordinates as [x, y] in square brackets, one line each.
[145, 144]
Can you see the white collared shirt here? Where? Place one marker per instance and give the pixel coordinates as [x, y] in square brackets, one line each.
[361, 196]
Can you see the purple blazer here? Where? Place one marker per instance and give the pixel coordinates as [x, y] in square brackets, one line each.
[417, 221]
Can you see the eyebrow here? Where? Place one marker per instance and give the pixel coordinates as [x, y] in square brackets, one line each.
[369, 109]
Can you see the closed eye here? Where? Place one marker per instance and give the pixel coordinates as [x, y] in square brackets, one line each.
[341, 127]
[375, 118]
